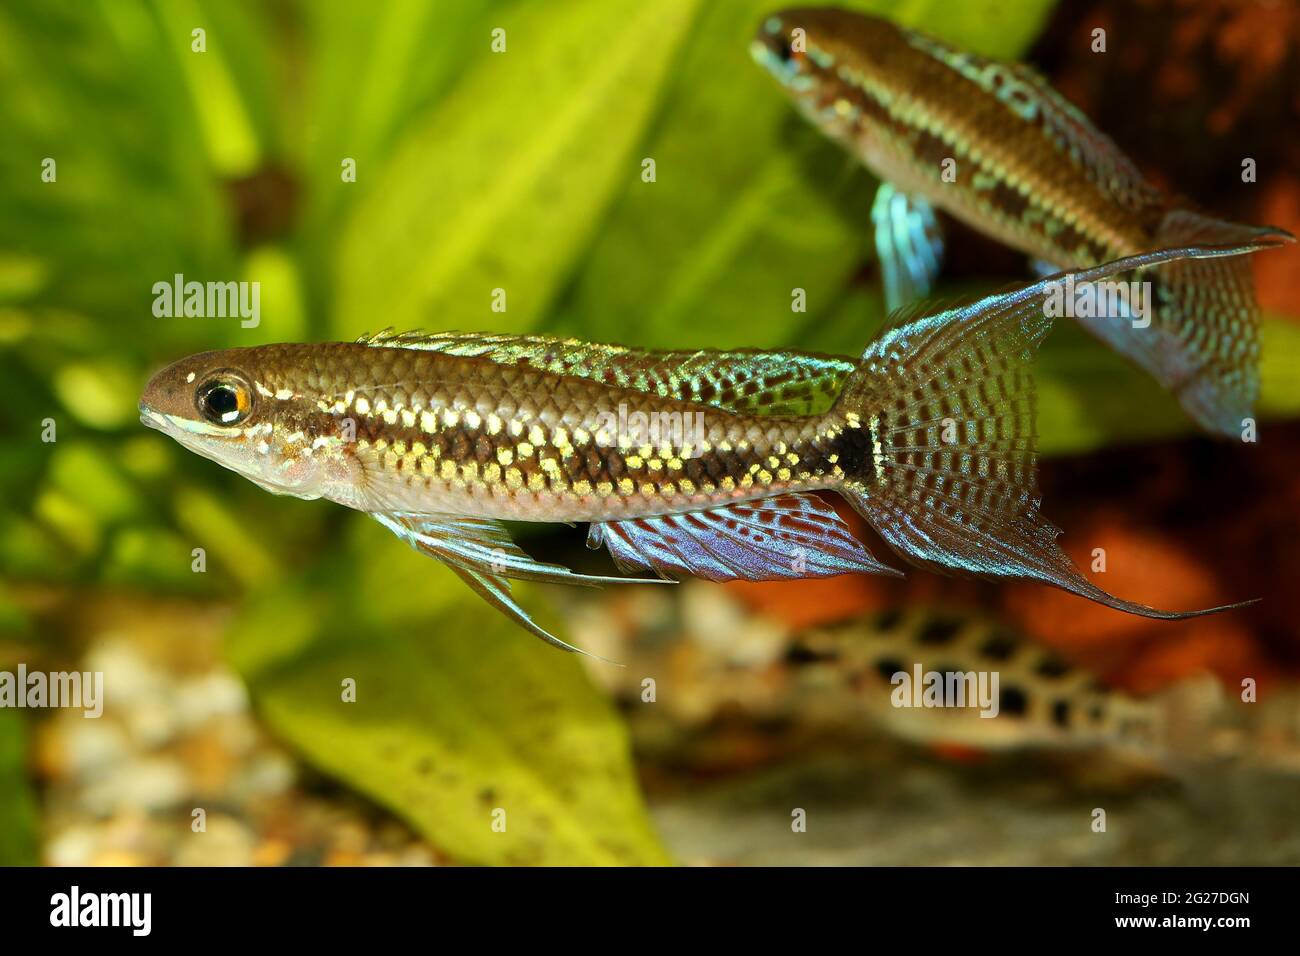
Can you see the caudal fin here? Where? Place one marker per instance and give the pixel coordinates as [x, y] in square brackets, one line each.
[944, 465]
[1201, 337]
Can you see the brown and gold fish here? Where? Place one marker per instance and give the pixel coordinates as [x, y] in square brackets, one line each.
[993, 145]
[685, 463]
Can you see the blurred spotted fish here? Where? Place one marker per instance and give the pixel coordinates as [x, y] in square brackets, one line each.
[992, 144]
[1040, 700]
[848, 676]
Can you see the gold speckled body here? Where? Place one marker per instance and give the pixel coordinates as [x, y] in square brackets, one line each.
[412, 429]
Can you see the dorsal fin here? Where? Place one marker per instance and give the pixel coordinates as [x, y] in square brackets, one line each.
[1025, 92]
[1097, 155]
[742, 381]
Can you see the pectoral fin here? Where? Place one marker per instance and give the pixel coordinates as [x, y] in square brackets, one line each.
[496, 591]
[482, 554]
[782, 537]
[909, 245]
[483, 545]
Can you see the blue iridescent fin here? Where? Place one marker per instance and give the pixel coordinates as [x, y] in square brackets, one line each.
[944, 413]
[481, 552]
[909, 245]
[483, 544]
[496, 591]
[782, 537]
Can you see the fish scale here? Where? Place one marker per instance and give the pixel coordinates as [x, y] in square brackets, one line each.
[530, 443]
[742, 380]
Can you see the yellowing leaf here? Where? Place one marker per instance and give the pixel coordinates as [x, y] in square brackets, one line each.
[494, 746]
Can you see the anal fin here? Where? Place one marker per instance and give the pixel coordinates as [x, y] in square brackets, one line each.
[1200, 337]
[783, 537]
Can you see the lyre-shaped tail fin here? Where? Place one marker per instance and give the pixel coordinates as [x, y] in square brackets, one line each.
[943, 408]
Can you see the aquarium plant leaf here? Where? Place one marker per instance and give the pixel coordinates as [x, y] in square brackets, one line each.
[489, 198]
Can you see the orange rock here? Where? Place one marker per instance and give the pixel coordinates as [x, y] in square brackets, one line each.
[958, 753]
[808, 603]
[271, 852]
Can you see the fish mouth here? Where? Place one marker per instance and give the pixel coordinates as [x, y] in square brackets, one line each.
[175, 425]
[151, 419]
[771, 49]
[766, 52]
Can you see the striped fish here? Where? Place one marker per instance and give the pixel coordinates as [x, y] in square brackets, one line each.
[993, 145]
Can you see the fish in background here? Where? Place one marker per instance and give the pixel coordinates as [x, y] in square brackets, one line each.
[1041, 701]
[441, 438]
[1044, 701]
[845, 675]
[992, 144]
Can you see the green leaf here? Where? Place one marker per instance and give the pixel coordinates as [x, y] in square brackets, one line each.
[96, 89]
[410, 50]
[458, 712]
[19, 840]
[1090, 397]
[373, 68]
[503, 183]
[230, 141]
[750, 201]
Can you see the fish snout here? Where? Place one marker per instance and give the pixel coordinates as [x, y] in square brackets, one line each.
[173, 391]
[772, 47]
[163, 395]
[160, 387]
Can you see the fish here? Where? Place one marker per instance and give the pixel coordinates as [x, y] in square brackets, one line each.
[857, 672]
[698, 464]
[868, 666]
[870, 669]
[885, 662]
[992, 144]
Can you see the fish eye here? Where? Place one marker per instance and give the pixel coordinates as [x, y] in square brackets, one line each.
[224, 399]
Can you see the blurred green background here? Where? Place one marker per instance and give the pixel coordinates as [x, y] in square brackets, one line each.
[475, 170]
